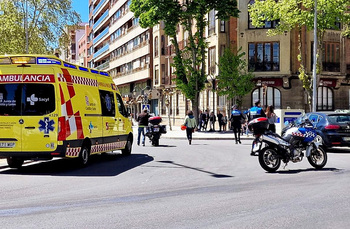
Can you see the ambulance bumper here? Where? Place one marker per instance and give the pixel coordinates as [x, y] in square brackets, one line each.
[59, 152]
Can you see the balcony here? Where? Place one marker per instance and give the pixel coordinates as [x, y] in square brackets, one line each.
[98, 6]
[99, 21]
[101, 35]
[103, 66]
[101, 51]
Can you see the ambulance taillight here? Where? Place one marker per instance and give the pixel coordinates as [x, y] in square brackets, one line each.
[61, 129]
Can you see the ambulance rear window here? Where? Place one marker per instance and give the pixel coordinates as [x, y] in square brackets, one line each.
[26, 99]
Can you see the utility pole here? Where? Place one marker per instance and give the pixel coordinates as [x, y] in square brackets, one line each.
[314, 75]
[26, 25]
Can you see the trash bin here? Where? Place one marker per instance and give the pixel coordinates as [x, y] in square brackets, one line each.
[286, 116]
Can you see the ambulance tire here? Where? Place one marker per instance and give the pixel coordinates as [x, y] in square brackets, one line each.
[128, 147]
[84, 155]
[15, 162]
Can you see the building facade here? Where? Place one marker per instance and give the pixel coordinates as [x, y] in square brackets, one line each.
[123, 48]
[139, 60]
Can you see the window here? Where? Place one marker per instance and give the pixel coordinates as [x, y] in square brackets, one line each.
[156, 46]
[107, 103]
[212, 61]
[331, 57]
[264, 56]
[324, 99]
[26, 99]
[222, 26]
[211, 22]
[268, 96]
[121, 107]
[268, 24]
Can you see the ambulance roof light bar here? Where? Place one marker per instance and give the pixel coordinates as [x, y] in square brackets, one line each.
[23, 60]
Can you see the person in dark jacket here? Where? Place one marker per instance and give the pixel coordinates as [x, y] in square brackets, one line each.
[142, 120]
[236, 123]
[220, 120]
[212, 120]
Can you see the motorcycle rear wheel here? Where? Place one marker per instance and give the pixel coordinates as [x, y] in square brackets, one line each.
[318, 158]
[269, 159]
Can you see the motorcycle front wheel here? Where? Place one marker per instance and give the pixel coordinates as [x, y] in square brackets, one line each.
[269, 159]
[318, 158]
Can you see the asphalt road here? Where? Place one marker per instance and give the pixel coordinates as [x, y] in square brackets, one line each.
[209, 184]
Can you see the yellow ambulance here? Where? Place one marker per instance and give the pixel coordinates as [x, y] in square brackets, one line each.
[51, 108]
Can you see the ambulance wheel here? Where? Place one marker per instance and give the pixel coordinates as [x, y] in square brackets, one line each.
[84, 156]
[128, 147]
[15, 162]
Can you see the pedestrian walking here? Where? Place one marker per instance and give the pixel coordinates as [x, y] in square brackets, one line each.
[271, 117]
[256, 111]
[224, 122]
[190, 123]
[220, 120]
[200, 121]
[205, 118]
[212, 120]
[142, 120]
[236, 123]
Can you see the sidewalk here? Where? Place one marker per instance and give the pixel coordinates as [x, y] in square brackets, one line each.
[177, 133]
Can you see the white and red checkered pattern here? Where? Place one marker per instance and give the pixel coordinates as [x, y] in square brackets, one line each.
[71, 121]
[107, 147]
[298, 134]
[84, 81]
[73, 152]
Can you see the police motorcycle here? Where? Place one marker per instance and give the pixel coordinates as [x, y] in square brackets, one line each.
[154, 130]
[298, 141]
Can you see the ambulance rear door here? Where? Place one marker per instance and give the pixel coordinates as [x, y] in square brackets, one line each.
[10, 109]
[39, 109]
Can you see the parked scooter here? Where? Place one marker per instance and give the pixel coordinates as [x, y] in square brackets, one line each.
[297, 142]
[154, 130]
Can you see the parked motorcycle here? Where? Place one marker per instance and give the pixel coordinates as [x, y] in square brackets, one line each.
[297, 142]
[154, 130]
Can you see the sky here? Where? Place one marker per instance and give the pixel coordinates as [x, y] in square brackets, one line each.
[82, 7]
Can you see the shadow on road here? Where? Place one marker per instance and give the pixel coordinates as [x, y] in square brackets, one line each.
[345, 150]
[294, 171]
[200, 170]
[99, 165]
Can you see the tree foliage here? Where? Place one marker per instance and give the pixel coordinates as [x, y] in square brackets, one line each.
[296, 14]
[46, 21]
[234, 80]
[191, 15]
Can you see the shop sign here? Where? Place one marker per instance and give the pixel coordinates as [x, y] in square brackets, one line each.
[269, 82]
[328, 82]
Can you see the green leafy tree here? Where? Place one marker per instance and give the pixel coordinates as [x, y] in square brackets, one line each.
[234, 79]
[46, 20]
[191, 14]
[297, 14]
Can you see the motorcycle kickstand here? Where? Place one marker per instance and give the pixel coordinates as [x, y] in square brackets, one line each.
[285, 165]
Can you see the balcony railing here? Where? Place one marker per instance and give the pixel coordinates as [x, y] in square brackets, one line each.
[103, 66]
[98, 6]
[104, 16]
[101, 35]
[101, 51]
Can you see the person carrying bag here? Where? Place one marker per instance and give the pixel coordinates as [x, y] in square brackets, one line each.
[191, 124]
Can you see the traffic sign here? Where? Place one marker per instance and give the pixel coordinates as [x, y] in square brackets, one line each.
[146, 106]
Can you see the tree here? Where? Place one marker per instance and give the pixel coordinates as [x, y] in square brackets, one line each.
[298, 14]
[46, 20]
[189, 62]
[234, 80]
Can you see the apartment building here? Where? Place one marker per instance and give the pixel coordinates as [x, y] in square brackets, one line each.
[73, 35]
[123, 48]
[83, 48]
[275, 64]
